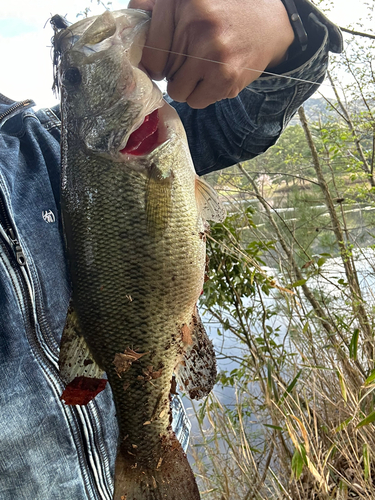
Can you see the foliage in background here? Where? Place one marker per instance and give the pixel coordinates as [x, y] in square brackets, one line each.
[292, 279]
[87, 10]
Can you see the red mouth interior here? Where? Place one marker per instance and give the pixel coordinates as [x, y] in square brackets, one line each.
[143, 140]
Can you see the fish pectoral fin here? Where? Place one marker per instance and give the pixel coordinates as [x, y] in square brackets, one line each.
[209, 205]
[168, 476]
[158, 199]
[197, 371]
[83, 376]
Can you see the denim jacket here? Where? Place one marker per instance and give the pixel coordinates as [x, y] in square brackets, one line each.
[49, 450]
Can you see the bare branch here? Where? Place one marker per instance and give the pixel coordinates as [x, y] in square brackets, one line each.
[357, 33]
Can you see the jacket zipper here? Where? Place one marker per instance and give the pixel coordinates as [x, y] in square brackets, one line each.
[20, 257]
[15, 107]
[13, 254]
[95, 487]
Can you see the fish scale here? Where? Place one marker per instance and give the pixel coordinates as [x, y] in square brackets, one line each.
[151, 269]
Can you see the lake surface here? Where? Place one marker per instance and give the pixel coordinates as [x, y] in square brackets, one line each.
[228, 345]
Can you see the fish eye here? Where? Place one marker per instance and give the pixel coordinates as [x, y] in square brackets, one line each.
[72, 76]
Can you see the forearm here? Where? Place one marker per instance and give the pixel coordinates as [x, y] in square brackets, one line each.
[238, 129]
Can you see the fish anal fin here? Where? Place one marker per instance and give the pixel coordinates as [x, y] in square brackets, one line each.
[158, 199]
[170, 476]
[197, 372]
[209, 205]
[78, 368]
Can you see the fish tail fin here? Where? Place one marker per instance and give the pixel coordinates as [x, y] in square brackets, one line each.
[170, 479]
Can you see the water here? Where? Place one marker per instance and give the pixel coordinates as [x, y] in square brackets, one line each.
[228, 347]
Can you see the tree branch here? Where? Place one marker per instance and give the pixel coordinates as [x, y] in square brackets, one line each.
[357, 33]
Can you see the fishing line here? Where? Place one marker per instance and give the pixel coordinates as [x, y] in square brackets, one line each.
[241, 67]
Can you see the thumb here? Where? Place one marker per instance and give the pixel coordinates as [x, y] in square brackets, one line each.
[141, 4]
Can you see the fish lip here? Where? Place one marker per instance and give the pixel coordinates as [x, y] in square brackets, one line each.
[123, 143]
[157, 149]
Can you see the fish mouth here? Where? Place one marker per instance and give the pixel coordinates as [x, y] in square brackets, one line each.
[158, 129]
[145, 138]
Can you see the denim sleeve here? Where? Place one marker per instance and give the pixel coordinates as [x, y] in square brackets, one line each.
[234, 130]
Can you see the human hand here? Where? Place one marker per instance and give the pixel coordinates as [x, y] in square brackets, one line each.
[238, 34]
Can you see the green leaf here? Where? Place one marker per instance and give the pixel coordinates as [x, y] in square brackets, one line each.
[367, 420]
[297, 464]
[343, 489]
[202, 412]
[299, 283]
[290, 386]
[298, 461]
[343, 424]
[275, 391]
[353, 346]
[269, 377]
[342, 282]
[366, 461]
[343, 386]
[370, 378]
[276, 427]
[321, 261]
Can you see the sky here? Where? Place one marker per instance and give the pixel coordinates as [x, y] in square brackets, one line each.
[25, 41]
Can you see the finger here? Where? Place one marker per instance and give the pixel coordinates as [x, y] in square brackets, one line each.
[201, 97]
[210, 89]
[141, 4]
[159, 40]
[206, 93]
[184, 81]
[201, 83]
[197, 83]
[177, 57]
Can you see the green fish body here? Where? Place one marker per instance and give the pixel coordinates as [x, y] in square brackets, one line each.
[135, 234]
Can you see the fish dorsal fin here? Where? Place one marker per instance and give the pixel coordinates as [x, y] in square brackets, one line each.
[158, 200]
[81, 374]
[209, 205]
[197, 371]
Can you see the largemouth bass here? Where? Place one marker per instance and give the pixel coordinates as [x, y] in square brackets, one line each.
[134, 217]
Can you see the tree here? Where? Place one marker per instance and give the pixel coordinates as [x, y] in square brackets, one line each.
[301, 423]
